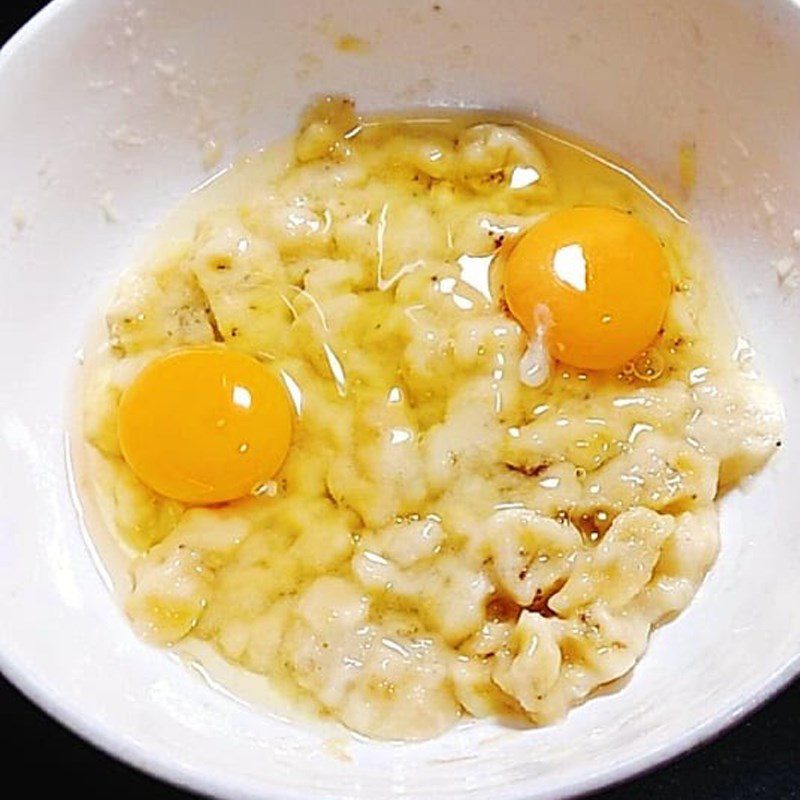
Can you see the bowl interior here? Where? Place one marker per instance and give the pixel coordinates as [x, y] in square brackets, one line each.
[111, 110]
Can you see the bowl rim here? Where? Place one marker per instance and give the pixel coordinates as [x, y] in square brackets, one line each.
[132, 753]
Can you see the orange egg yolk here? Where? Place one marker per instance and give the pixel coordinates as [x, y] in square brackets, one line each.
[594, 281]
[205, 425]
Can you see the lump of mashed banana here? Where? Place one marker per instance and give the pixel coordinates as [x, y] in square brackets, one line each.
[443, 539]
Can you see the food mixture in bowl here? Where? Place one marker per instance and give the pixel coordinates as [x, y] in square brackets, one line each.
[420, 418]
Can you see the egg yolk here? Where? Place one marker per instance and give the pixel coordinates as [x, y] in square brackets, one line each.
[593, 281]
[205, 425]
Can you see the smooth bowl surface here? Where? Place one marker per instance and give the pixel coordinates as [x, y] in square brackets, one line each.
[114, 109]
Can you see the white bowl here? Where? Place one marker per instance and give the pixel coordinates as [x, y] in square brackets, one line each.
[105, 107]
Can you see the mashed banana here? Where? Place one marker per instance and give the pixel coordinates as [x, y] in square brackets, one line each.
[442, 539]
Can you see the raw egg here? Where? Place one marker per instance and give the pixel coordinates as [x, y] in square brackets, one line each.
[593, 281]
[205, 425]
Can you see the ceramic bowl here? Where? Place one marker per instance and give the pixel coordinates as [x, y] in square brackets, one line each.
[112, 110]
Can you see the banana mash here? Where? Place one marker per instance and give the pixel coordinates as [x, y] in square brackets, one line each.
[464, 524]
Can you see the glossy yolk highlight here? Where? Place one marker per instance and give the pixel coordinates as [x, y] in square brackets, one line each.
[205, 425]
[594, 280]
